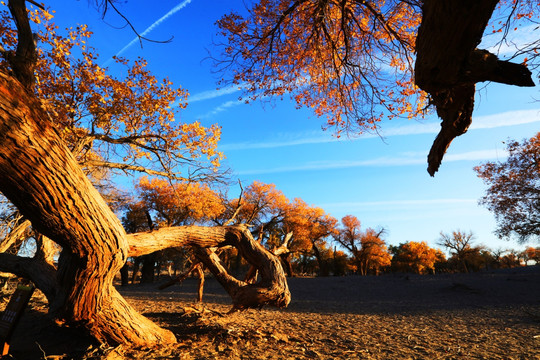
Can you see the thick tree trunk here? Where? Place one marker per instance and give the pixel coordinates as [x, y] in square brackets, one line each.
[288, 266]
[124, 275]
[42, 178]
[148, 269]
[323, 268]
[448, 65]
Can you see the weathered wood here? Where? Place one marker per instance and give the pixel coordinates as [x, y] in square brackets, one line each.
[169, 237]
[271, 290]
[448, 65]
[42, 178]
[17, 234]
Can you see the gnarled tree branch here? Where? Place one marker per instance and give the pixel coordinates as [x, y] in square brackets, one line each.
[272, 289]
[448, 65]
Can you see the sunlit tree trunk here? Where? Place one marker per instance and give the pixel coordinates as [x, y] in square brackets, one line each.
[42, 178]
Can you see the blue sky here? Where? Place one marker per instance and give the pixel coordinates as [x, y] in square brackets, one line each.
[382, 181]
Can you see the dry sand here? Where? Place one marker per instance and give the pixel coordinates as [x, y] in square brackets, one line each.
[490, 315]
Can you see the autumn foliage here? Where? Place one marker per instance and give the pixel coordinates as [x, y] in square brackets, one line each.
[416, 257]
[179, 203]
[513, 188]
[368, 249]
[348, 60]
[129, 123]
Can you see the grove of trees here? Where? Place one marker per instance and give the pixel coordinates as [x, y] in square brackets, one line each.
[66, 126]
[513, 195]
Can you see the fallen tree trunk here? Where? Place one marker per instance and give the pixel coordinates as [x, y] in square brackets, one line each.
[272, 289]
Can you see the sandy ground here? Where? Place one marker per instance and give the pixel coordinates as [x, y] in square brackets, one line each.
[492, 315]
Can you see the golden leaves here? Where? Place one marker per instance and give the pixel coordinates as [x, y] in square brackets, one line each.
[334, 57]
[132, 119]
[416, 257]
[179, 203]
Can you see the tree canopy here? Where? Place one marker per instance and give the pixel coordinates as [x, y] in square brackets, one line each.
[349, 60]
[130, 124]
[415, 257]
[513, 193]
[358, 62]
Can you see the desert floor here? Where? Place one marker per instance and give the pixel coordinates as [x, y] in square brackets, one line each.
[488, 315]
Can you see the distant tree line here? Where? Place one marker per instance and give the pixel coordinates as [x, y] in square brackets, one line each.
[310, 241]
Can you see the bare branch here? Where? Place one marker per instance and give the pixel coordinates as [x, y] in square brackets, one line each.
[24, 60]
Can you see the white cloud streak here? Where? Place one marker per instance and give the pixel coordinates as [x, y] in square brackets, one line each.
[212, 94]
[221, 108]
[404, 160]
[149, 29]
[509, 118]
[350, 206]
[276, 144]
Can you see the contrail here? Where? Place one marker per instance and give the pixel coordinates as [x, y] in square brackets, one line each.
[148, 30]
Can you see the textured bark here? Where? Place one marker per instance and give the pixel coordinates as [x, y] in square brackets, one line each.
[272, 289]
[148, 242]
[41, 177]
[43, 275]
[45, 250]
[16, 235]
[200, 288]
[448, 65]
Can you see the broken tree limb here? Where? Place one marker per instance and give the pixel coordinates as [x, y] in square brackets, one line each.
[17, 234]
[283, 249]
[181, 277]
[200, 288]
[448, 65]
